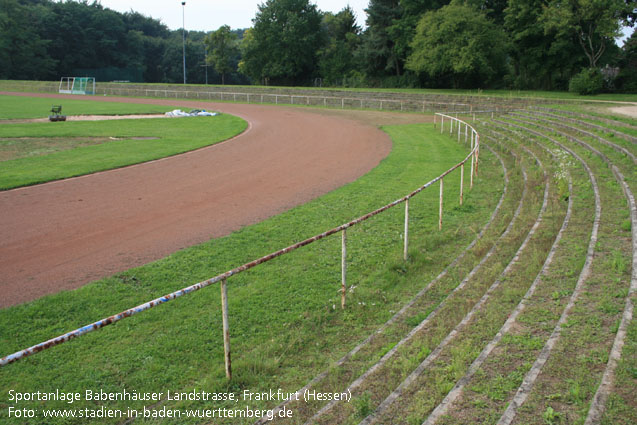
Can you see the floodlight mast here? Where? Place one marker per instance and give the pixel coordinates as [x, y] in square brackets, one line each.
[183, 33]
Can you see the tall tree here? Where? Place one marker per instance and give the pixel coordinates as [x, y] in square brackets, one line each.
[459, 43]
[379, 53]
[222, 45]
[282, 46]
[23, 51]
[595, 23]
[336, 60]
[541, 59]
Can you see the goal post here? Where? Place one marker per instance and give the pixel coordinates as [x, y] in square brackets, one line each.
[77, 85]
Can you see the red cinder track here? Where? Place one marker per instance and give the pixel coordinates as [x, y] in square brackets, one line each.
[64, 234]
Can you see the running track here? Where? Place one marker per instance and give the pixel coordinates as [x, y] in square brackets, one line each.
[64, 234]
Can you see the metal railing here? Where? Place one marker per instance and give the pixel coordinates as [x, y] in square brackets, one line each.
[222, 278]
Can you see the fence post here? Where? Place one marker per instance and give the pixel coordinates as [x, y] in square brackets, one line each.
[435, 119]
[406, 229]
[442, 123]
[466, 133]
[440, 209]
[226, 331]
[343, 266]
[461, 182]
[477, 154]
[459, 125]
[451, 129]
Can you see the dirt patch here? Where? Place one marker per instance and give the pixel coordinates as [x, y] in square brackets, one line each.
[23, 147]
[629, 111]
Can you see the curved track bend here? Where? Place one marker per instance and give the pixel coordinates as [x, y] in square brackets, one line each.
[64, 234]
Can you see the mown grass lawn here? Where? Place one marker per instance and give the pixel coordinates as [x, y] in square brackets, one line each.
[119, 143]
[285, 320]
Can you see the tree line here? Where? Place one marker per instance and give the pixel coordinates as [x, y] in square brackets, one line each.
[515, 44]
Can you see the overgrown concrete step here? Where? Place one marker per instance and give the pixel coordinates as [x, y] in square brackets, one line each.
[493, 377]
[562, 112]
[559, 114]
[598, 296]
[575, 129]
[456, 336]
[341, 374]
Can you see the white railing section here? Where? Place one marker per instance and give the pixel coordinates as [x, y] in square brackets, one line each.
[455, 125]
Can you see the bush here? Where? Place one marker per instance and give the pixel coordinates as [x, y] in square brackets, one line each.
[587, 82]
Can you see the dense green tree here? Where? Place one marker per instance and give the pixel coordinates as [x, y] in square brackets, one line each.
[627, 79]
[540, 59]
[378, 52]
[223, 48]
[283, 45]
[23, 51]
[595, 23]
[336, 59]
[457, 44]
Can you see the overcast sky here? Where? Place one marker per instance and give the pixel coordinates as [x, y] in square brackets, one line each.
[208, 15]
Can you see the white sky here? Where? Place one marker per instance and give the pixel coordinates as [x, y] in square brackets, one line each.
[208, 15]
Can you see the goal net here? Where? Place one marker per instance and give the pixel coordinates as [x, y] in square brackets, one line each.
[77, 85]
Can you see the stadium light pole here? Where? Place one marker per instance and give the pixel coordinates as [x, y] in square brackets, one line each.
[183, 33]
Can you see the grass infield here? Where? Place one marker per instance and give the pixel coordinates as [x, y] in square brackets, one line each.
[50, 151]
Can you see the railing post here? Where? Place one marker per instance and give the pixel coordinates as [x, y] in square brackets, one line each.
[442, 123]
[466, 133]
[440, 209]
[451, 128]
[461, 182]
[435, 119]
[343, 266]
[406, 229]
[226, 331]
[477, 152]
[459, 125]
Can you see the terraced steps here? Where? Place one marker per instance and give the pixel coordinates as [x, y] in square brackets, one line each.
[542, 312]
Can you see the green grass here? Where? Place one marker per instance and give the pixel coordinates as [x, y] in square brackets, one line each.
[284, 317]
[171, 137]
[21, 107]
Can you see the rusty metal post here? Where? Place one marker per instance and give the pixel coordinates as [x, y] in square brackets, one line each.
[440, 209]
[459, 125]
[226, 331]
[343, 266]
[461, 182]
[406, 229]
[477, 152]
[471, 183]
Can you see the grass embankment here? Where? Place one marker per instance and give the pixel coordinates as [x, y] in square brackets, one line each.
[52, 151]
[285, 320]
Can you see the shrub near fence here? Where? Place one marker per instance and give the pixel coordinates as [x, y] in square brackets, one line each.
[456, 125]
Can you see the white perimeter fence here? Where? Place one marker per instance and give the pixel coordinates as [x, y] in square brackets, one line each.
[388, 102]
[455, 125]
